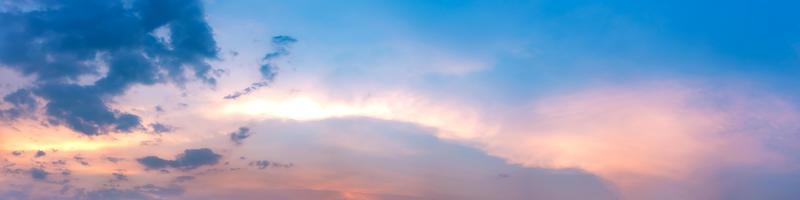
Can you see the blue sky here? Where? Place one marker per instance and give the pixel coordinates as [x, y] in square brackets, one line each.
[528, 44]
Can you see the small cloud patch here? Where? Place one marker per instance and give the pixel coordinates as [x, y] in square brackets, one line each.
[239, 135]
[188, 160]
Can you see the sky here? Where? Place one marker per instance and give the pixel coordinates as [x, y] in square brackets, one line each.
[390, 100]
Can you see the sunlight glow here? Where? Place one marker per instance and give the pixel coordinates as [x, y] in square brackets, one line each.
[450, 121]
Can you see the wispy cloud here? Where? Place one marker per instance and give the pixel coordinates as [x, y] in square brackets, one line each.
[269, 68]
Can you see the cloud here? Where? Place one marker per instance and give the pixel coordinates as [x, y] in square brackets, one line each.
[119, 176]
[114, 193]
[114, 159]
[263, 164]
[38, 174]
[188, 160]
[154, 162]
[15, 195]
[193, 158]
[58, 162]
[394, 161]
[144, 192]
[63, 43]
[161, 128]
[22, 102]
[650, 139]
[81, 160]
[238, 136]
[268, 68]
[164, 191]
[281, 45]
[181, 179]
[40, 153]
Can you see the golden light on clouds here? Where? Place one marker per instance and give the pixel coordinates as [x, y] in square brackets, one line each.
[61, 139]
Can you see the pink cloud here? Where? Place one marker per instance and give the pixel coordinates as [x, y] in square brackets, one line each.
[661, 140]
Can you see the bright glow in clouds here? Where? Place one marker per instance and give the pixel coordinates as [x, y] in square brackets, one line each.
[396, 106]
[649, 140]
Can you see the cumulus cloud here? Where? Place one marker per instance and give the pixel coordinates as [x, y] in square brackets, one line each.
[188, 160]
[268, 69]
[239, 135]
[63, 42]
[154, 162]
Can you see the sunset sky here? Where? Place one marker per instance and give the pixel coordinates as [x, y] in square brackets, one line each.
[399, 99]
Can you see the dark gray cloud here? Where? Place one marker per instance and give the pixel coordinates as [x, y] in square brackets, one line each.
[16, 153]
[40, 153]
[268, 68]
[138, 41]
[193, 158]
[154, 162]
[38, 174]
[239, 135]
[188, 160]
